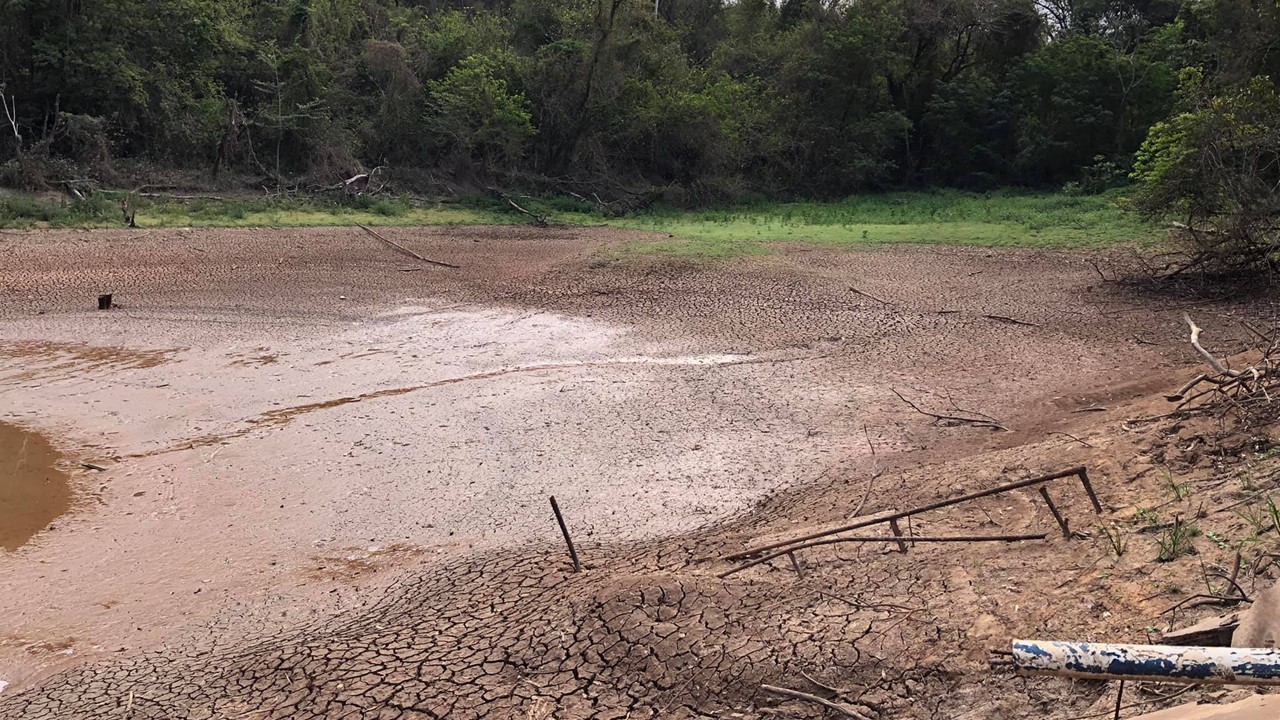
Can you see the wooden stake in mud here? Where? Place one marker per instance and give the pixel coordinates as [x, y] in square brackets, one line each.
[564, 530]
[897, 533]
[1062, 523]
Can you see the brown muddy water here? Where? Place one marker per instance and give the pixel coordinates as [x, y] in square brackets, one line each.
[33, 490]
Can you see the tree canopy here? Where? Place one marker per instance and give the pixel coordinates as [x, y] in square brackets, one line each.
[718, 99]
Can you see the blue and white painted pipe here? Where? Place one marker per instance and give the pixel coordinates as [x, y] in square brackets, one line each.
[1161, 663]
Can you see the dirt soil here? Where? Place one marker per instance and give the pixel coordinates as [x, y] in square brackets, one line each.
[309, 474]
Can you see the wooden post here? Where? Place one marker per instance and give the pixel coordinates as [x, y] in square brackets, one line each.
[1062, 523]
[564, 530]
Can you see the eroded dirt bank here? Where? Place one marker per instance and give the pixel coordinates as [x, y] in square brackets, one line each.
[326, 469]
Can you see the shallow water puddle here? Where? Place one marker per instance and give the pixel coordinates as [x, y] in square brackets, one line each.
[33, 491]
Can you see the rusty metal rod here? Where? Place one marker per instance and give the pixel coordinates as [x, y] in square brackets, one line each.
[795, 563]
[897, 532]
[884, 539]
[1077, 471]
[1062, 523]
[1088, 488]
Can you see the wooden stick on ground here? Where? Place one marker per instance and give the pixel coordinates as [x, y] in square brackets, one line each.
[797, 695]
[404, 249]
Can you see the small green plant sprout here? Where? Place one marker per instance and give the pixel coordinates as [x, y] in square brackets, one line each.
[1116, 540]
[1273, 513]
[1261, 517]
[1217, 539]
[1176, 540]
[1147, 516]
[1178, 490]
[1254, 516]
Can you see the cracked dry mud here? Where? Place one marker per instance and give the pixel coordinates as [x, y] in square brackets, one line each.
[326, 471]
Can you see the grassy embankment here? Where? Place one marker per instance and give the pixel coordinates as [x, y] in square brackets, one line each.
[1002, 219]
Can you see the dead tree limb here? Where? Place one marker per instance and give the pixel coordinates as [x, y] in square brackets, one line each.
[10, 106]
[833, 690]
[876, 472]
[167, 196]
[797, 695]
[11, 114]
[1010, 321]
[856, 291]
[539, 220]
[404, 249]
[1073, 437]
[1208, 357]
[976, 422]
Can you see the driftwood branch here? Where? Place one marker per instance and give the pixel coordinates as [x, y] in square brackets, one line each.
[405, 250]
[797, 695]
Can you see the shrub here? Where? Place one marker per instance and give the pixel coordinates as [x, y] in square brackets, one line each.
[1216, 165]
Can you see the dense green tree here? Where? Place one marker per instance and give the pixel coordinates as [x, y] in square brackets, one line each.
[475, 117]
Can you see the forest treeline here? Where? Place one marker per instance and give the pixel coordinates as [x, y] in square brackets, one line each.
[720, 100]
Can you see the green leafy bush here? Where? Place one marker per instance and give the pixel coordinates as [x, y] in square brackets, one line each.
[1215, 165]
